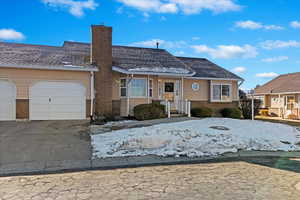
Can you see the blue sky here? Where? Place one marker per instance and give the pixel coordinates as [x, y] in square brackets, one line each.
[255, 39]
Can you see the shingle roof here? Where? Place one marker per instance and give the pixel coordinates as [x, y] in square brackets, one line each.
[282, 84]
[136, 59]
[131, 59]
[207, 69]
[42, 56]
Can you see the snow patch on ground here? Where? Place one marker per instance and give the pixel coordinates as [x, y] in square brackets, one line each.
[196, 138]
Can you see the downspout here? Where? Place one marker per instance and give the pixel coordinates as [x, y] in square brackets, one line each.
[148, 88]
[128, 94]
[182, 96]
[92, 94]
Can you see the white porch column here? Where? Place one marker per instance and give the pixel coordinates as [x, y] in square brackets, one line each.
[128, 91]
[182, 95]
[148, 93]
[280, 114]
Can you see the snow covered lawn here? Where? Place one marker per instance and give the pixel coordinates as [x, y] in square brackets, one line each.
[206, 137]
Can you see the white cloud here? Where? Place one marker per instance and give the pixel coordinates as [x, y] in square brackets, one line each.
[179, 53]
[276, 59]
[267, 75]
[11, 34]
[75, 8]
[185, 6]
[196, 38]
[248, 25]
[276, 44]
[162, 44]
[273, 27]
[295, 24]
[227, 51]
[239, 69]
[256, 25]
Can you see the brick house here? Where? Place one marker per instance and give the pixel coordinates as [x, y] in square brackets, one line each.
[77, 80]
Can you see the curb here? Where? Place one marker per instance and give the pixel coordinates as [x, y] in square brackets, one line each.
[49, 167]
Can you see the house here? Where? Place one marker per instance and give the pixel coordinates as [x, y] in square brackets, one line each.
[281, 96]
[76, 80]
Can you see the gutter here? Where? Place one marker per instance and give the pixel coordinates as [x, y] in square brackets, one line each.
[48, 67]
[123, 71]
[92, 94]
[223, 79]
[277, 93]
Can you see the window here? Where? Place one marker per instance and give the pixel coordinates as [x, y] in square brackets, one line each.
[123, 88]
[150, 88]
[195, 86]
[169, 87]
[221, 92]
[138, 88]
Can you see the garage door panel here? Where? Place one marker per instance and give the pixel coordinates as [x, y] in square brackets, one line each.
[67, 100]
[58, 101]
[7, 101]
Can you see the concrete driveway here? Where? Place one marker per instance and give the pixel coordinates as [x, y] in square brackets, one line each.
[40, 145]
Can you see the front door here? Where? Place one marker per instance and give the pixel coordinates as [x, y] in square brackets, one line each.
[172, 93]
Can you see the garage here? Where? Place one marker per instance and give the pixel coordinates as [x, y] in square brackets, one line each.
[57, 101]
[7, 101]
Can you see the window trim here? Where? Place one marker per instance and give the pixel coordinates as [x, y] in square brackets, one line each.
[128, 88]
[220, 84]
[150, 88]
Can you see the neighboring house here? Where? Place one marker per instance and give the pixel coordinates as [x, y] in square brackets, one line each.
[78, 79]
[281, 96]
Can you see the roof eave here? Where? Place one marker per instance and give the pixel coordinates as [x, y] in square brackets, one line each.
[47, 67]
[214, 78]
[123, 71]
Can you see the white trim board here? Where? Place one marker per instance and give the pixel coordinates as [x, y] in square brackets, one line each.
[63, 68]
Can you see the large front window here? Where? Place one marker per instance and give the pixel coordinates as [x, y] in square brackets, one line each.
[221, 92]
[138, 88]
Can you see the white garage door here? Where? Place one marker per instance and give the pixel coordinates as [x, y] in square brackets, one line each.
[57, 101]
[7, 101]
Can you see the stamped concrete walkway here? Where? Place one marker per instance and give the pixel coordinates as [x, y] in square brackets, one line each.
[214, 181]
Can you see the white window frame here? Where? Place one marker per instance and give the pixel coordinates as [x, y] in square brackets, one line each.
[220, 84]
[129, 87]
[120, 88]
[150, 88]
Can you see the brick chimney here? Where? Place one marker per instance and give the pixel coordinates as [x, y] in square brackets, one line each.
[102, 57]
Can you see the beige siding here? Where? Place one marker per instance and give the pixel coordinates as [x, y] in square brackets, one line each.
[116, 86]
[201, 95]
[276, 102]
[25, 78]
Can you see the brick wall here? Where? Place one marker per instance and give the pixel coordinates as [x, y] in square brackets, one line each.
[102, 57]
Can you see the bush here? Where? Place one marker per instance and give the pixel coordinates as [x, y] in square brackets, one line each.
[202, 112]
[149, 111]
[246, 107]
[231, 113]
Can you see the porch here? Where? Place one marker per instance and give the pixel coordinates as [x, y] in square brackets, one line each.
[178, 94]
[282, 106]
